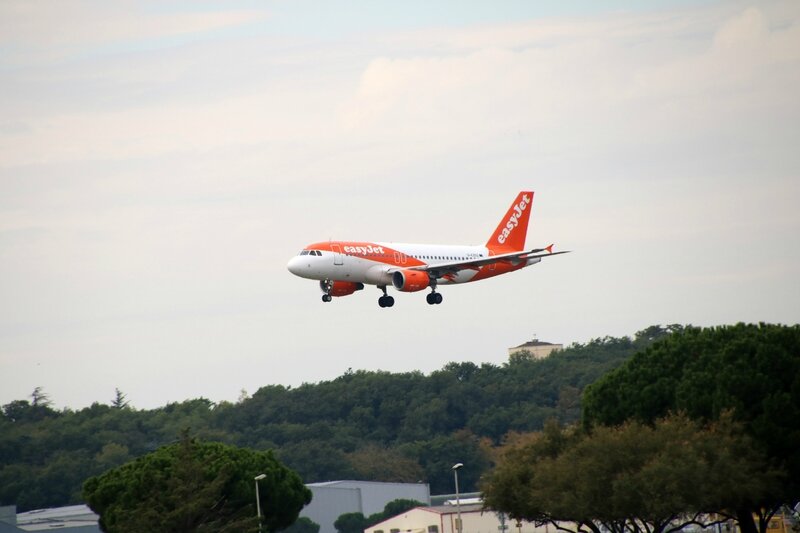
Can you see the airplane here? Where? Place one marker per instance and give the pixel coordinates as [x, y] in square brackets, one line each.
[344, 267]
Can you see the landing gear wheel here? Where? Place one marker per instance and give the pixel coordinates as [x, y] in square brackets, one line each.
[382, 301]
[326, 298]
[386, 301]
[389, 301]
[434, 298]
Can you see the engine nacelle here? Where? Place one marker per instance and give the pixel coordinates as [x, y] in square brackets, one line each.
[410, 280]
[340, 288]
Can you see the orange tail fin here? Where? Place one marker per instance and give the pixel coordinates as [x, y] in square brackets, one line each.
[513, 228]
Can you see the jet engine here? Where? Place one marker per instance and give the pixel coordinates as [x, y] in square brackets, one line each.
[410, 280]
[340, 288]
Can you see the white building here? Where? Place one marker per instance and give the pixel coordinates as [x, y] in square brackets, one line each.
[444, 518]
[332, 499]
[72, 518]
[538, 349]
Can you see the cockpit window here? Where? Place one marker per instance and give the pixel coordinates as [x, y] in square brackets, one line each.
[304, 252]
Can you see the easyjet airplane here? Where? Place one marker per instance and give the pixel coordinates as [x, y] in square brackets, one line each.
[343, 267]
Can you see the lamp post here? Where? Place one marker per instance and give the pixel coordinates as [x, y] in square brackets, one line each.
[258, 499]
[459, 527]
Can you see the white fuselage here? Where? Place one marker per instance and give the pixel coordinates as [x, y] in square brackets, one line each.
[373, 262]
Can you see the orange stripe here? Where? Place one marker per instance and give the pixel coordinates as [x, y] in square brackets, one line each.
[369, 250]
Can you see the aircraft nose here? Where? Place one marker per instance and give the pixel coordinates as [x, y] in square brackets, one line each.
[294, 265]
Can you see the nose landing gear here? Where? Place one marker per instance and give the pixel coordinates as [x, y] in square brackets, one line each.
[326, 285]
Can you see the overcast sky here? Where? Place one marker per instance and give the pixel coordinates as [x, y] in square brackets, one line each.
[161, 162]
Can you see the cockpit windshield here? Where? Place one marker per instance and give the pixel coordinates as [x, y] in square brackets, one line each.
[311, 252]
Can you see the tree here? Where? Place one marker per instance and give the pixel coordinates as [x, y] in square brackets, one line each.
[302, 525]
[39, 398]
[399, 506]
[119, 401]
[351, 523]
[378, 463]
[196, 486]
[751, 370]
[630, 478]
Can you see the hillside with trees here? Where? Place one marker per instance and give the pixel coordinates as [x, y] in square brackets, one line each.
[362, 425]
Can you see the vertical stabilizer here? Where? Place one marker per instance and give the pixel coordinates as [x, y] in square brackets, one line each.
[513, 228]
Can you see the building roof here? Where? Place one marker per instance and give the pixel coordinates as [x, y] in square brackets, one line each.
[71, 516]
[453, 509]
[533, 343]
[349, 483]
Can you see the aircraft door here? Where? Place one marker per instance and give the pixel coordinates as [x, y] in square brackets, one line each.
[338, 258]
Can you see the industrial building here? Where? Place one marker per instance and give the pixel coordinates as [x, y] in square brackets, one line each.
[334, 498]
[444, 519]
[72, 518]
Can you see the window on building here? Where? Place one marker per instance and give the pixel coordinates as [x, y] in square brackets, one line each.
[433, 529]
[393, 530]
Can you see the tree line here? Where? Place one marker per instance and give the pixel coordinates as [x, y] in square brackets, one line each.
[365, 425]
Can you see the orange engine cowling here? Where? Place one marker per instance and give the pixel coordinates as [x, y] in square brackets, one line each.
[340, 288]
[410, 280]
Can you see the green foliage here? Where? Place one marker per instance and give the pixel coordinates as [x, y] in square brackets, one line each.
[661, 476]
[399, 506]
[351, 523]
[302, 525]
[196, 486]
[753, 371]
[369, 425]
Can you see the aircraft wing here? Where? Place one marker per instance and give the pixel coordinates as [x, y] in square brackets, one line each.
[440, 270]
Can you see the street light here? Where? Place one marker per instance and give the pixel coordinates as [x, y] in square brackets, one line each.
[258, 499]
[458, 499]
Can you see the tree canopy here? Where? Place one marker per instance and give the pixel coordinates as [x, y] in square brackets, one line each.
[751, 371]
[630, 478]
[196, 486]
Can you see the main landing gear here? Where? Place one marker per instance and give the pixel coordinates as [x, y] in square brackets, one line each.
[385, 300]
[327, 298]
[434, 298]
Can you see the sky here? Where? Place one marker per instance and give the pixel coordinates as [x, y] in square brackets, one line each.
[160, 163]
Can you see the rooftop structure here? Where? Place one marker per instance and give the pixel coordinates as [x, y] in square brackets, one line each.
[538, 349]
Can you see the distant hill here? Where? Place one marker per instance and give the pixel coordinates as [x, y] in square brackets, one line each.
[365, 425]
